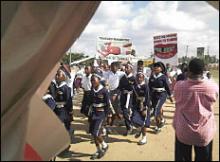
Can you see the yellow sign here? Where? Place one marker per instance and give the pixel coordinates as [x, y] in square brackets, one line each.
[148, 62]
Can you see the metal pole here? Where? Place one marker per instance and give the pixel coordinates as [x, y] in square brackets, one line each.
[207, 50]
[186, 52]
[70, 57]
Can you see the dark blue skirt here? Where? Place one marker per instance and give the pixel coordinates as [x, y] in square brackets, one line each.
[140, 121]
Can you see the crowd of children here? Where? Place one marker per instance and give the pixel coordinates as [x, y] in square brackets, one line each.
[115, 92]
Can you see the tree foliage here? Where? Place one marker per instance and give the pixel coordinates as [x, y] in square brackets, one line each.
[74, 57]
[207, 59]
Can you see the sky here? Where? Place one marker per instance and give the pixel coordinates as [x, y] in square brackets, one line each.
[195, 22]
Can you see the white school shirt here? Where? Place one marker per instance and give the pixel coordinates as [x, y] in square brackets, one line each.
[114, 78]
[70, 82]
[86, 82]
[105, 74]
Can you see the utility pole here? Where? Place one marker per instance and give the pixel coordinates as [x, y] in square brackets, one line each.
[186, 51]
[207, 50]
[70, 56]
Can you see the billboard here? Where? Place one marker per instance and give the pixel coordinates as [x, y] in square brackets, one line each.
[165, 48]
[113, 48]
[200, 52]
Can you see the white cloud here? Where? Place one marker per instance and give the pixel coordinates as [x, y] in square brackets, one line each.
[140, 20]
[120, 24]
[179, 21]
[94, 27]
[196, 23]
[109, 11]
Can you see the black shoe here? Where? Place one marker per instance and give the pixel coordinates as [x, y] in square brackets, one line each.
[97, 155]
[92, 141]
[101, 154]
[108, 131]
[162, 123]
[94, 156]
[157, 130]
[137, 135]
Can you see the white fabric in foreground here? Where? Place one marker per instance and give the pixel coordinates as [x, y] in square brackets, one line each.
[34, 37]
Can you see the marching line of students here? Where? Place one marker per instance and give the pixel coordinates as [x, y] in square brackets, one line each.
[114, 93]
[111, 94]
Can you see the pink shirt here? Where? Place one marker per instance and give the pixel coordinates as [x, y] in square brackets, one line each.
[194, 121]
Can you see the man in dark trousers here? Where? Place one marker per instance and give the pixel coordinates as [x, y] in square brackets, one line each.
[86, 85]
[194, 120]
[112, 79]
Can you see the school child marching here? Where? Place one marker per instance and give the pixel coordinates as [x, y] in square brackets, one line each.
[141, 113]
[100, 109]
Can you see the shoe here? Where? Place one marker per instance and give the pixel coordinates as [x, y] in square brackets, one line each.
[157, 130]
[92, 141]
[101, 154]
[142, 143]
[162, 123]
[108, 130]
[105, 149]
[94, 156]
[97, 155]
[137, 135]
[143, 140]
[125, 134]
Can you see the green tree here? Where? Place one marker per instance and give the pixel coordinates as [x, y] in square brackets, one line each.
[74, 57]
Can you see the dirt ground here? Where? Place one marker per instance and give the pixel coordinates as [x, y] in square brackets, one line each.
[159, 147]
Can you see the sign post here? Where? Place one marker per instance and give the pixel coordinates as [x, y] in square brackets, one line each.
[165, 48]
[114, 49]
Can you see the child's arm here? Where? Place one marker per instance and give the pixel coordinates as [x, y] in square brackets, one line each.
[147, 97]
[69, 102]
[107, 101]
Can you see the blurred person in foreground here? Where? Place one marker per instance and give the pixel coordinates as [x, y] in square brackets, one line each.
[194, 121]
